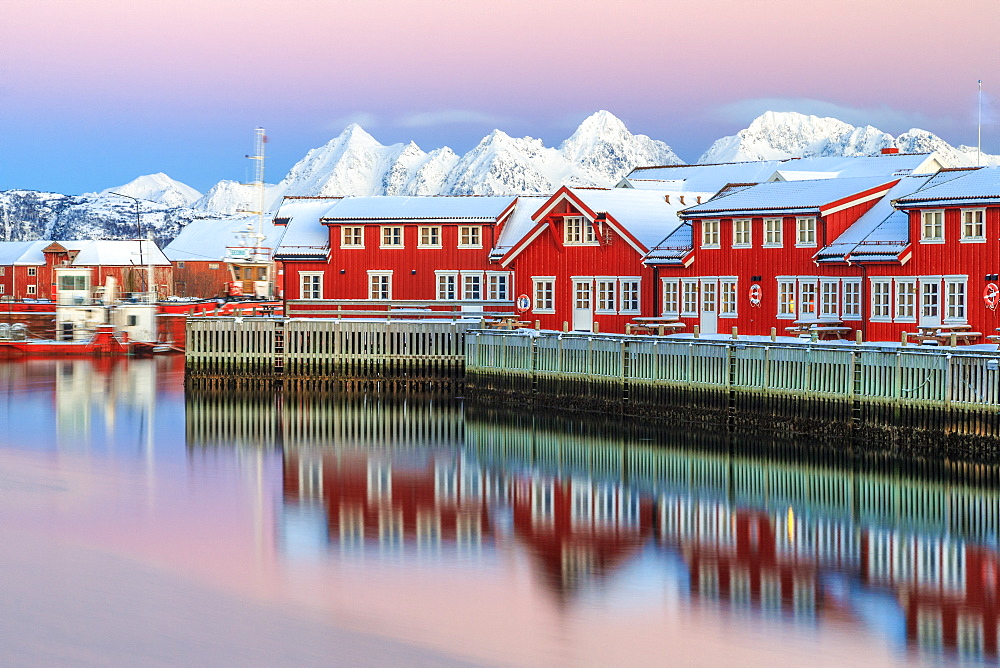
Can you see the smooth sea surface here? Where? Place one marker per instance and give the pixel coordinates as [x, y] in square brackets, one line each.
[142, 525]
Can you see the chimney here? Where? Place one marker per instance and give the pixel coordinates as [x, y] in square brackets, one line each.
[666, 198]
[890, 151]
[681, 198]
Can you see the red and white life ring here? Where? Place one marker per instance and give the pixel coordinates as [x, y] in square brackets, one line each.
[235, 289]
[991, 293]
[755, 295]
[523, 303]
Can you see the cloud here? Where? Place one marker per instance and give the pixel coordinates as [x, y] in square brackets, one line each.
[363, 118]
[449, 117]
[883, 117]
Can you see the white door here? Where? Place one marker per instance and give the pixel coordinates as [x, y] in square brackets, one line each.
[583, 306]
[930, 303]
[709, 320]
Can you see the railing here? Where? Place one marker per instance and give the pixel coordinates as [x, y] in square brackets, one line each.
[398, 308]
[864, 373]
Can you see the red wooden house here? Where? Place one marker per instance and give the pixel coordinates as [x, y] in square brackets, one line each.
[581, 262]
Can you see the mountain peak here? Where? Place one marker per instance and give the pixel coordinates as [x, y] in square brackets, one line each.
[157, 187]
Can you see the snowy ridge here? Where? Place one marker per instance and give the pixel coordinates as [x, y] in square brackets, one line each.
[781, 135]
[158, 188]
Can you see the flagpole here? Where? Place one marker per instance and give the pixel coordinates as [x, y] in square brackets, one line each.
[979, 143]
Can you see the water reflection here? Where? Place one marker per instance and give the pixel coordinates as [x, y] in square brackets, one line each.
[422, 513]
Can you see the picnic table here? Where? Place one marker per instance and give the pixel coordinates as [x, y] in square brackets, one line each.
[949, 334]
[504, 322]
[654, 325]
[828, 328]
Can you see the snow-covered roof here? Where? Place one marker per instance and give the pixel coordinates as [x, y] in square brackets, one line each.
[785, 196]
[644, 213]
[701, 178]
[105, 252]
[22, 252]
[976, 187]
[890, 164]
[393, 208]
[207, 240]
[674, 248]
[301, 234]
[881, 233]
[518, 225]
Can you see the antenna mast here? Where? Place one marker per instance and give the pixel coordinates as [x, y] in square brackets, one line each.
[258, 182]
[979, 142]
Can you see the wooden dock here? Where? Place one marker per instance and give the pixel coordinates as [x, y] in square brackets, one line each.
[591, 370]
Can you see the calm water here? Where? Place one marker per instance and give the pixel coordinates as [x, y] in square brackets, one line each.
[142, 526]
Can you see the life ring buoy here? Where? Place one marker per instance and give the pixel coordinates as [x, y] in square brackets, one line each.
[523, 303]
[991, 294]
[755, 295]
[235, 289]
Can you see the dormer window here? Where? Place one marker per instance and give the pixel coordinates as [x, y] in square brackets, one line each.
[577, 230]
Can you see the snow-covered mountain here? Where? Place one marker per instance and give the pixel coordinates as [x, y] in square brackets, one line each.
[779, 135]
[158, 188]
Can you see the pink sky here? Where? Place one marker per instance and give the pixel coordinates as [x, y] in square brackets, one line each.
[177, 86]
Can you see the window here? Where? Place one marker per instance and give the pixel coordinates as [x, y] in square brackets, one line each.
[772, 233]
[974, 225]
[881, 299]
[829, 297]
[807, 298]
[544, 294]
[741, 233]
[629, 295]
[670, 294]
[72, 282]
[180, 265]
[469, 236]
[447, 286]
[852, 300]
[727, 288]
[709, 234]
[472, 286]
[690, 295]
[352, 237]
[932, 227]
[213, 265]
[806, 228]
[708, 297]
[499, 286]
[312, 285]
[379, 285]
[2, 289]
[430, 237]
[3, 270]
[392, 237]
[32, 271]
[31, 289]
[786, 299]
[578, 230]
[906, 300]
[954, 290]
[582, 290]
[606, 295]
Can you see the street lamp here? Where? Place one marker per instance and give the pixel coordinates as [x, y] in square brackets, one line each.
[138, 227]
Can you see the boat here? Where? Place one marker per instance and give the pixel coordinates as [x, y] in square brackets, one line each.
[14, 342]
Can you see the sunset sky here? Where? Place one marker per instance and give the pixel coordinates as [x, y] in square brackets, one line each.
[96, 92]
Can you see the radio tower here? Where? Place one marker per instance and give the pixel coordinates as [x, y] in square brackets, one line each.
[258, 183]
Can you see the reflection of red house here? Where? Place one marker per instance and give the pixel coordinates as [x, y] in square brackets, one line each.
[947, 588]
[391, 501]
[579, 529]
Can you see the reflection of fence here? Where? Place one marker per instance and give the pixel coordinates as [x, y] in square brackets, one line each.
[618, 368]
[309, 348]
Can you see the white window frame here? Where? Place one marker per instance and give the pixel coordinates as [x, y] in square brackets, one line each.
[881, 299]
[806, 285]
[955, 311]
[742, 233]
[851, 302]
[32, 289]
[350, 237]
[547, 303]
[968, 220]
[774, 232]
[670, 302]
[606, 289]
[472, 285]
[728, 297]
[213, 265]
[932, 220]
[384, 279]
[498, 285]
[829, 299]
[426, 236]
[3, 270]
[446, 285]
[315, 279]
[710, 233]
[470, 236]
[931, 285]
[578, 231]
[392, 236]
[32, 271]
[690, 297]
[905, 308]
[629, 294]
[3, 288]
[787, 302]
[805, 232]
